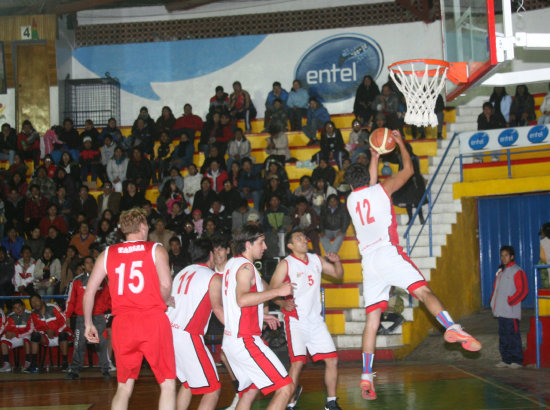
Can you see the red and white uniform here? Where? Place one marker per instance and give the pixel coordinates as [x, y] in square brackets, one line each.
[140, 328]
[21, 325]
[23, 276]
[52, 319]
[195, 367]
[3, 321]
[305, 327]
[77, 288]
[253, 363]
[383, 261]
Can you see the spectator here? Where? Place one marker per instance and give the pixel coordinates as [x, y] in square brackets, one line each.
[112, 130]
[509, 289]
[52, 219]
[188, 235]
[339, 182]
[161, 234]
[166, 121]
[358, 140]
[241, 106]
[238, 148]
[177, 218]
[17, 167]
[93, 133]
[321, 191]
[28, 142]
[188, 122]
[228, 132]
[332, 145]
[141, 137]
[107, 154]
[279, 117]
[274, 167]
[219, 102]
[333, 224]
[221, 216]
[387, 103]
[47, 273]
[89, 159]
[85, 203]
[106, 235]
[305, 189]
[82, 239]
[24, 271]
[35, 207]
[544, 234]
[544, 109]
[170, 194]
[325, 171]
[317, 116]
[14, 209]
[211, 132]
[18, 183]
[177, 258]
[68, 269]
[70, 166]
[108, 199]
[239, 217]
[139, 170]
[35, 242]
[50, 143]
[117, 169]
[161, 159]
[71, 139]
[489, 119]
[177, 178]
[131, 198]
[64, 205]
[151, 214]
[364, 97]
[182, 155]
[198, 221]
[274, 187]
[393, 313]
[297, 104]
[13, 243]
[8, 143]
[303, 217]
[277, 93]
[44, 182]
[144, 115]
[17, 334]
[250, 183]
[63, 180]
[216, 175]
[7, 271]
[210, 229]
[56, 242]
[215, 154]
[522, 110]
[204, 197]
[438, 111]
[234, 174]
[50, 166]
[276, 221]
[229, 196]
[277, 145]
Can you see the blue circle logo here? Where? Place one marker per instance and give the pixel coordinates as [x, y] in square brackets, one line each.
[478, 141]
[537, 134]
[333, 68]
[508, 137]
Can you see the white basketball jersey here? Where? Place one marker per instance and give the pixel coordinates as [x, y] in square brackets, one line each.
[371, 212]
[307, 277]
[190, 291]
[246, 321]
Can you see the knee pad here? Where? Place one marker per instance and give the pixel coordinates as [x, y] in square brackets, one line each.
[36, 337]
[63, 337]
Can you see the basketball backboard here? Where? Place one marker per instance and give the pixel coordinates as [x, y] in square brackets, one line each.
[469, 36]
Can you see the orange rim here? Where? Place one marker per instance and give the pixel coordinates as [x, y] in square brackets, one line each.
[443, 66]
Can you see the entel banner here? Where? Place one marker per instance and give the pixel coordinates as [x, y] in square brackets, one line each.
[506, 138]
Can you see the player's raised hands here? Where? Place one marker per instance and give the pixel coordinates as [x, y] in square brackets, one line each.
[285, 289]
[332, 257]
[374, 154]
[271, 321]
[90, 332]
[289, 305]
[397, 136]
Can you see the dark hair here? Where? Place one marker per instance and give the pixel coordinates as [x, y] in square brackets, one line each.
[220, 241]
[276, 84]
[297, 81]
[332, 196]
[206, 179]
[35, 295]
[237, 83]
[34, 186]
[26, 248]
[357, 175]
[219, 88]
[17, 302]
[288, 236]
[545, 229]
[174, 239]
[302, 200]
[487, 105]
[305, 177]
[85, 187]
[200, 250]
[313, 99]
[246, 160]
[86, 258]
[68, 120]
[509, 249]
[248, 233]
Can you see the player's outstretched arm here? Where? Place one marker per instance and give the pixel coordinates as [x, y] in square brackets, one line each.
[245, 298]
[163, 272]
[215, 293]
[96, 277]
[373, 167]
[277, 280]
[333, 266]
[396, 181]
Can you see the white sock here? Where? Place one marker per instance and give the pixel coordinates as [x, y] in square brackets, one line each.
[291, 405]
[330, 399]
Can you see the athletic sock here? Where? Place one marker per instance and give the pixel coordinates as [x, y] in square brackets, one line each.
[64, 359]
[368, 359]
[330, 399]
[235, 385]
[291, 405]
[445, 319]
[5, 358]
[33, 360]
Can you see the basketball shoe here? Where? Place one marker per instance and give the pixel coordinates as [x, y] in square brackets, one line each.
[367, 386]
[455, 334]
[6, 368]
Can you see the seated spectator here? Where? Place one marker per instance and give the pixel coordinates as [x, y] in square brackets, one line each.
[106, 235]
[197, 221]
[175, 176]
[211, 132]
[82, 239]
[35, 242]
[71, 168]
[14, 209]
[339, 182]
[93, 133]
[221, 216]
[50, 143]
[219, 102]
[161, 158]
[297, 105]
[112, 130]
[17, 334]
[182, 155]
[210, 229]
[191, 184]
[277, 144]
[18, 183]
[8, 143]
[358, 140]
[117, 169]
[35, 208]
[387, 103]
[188, 235]
[141, 137]
[241, 106]
[274, 167]
[364, 97]
[332, 145]
[239, 217]
[89, 160]
[44, 182]
[50, 166]
[52, 219]
[131, 198]
[305, 189]
[17, 167]
[274, 187]
[85, 203]
[276, 220]
[13, 243]
[216, 175]
[71, 139]
[144, 115]
[107, 154]
[204, 197]
[522, 110]
[170, 194]
[7, 271]
[234, 173]
[363, 158]
[545, 109]
[488, 119]
[304, 218]
[165, 122]
[28, 142]
[177, 218]
[47, 273]
[238, 148]
[215, 154]
[161, 234]
[250, 183]
[229, 196]
[177, 258]
[108, 200]
[279, 116]
[68, 269]
[317, 116]
[410, 194]
[277, 93]
[139, 170]
[24, 271]
[56, 242]
[321, 191]
[228, 132]
[63, 203]
[325, 171]
[188, 123]
[333, 224]
[151, 214]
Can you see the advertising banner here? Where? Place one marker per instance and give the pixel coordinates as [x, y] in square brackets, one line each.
[505, 138]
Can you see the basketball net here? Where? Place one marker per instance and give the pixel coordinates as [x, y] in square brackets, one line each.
[420, 81]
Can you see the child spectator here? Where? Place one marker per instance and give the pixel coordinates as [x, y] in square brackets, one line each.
[8, 143]
[325, 171]
[321, 191]
[50, 143]
[107, 154]
[89, 159]
[197, 221]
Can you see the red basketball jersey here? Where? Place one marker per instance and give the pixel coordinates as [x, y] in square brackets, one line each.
[133, 279]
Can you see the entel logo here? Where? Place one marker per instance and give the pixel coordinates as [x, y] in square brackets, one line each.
[478, 141]
[508, 137]
[333, 68]
[537, 134]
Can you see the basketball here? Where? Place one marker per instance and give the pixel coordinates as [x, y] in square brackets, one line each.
[382, 141]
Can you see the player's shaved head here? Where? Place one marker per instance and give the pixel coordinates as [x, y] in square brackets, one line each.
[357, 175]
[131, 220]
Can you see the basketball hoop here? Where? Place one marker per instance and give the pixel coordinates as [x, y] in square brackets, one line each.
[421, 81]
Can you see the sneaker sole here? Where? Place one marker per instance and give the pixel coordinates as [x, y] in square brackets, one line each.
[468, 342]
[366, 390]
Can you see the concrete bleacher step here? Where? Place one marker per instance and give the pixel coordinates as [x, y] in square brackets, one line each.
[436, 229]
[465, 110]
[360, 315]
[462, 126]
[442, 217]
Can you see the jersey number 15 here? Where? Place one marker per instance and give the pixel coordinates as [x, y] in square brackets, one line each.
[136, 277]
[366, 204]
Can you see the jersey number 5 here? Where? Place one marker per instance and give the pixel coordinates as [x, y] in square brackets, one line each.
[366, 204]
[136, 277]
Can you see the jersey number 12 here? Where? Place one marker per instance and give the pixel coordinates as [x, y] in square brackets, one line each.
[366, 204]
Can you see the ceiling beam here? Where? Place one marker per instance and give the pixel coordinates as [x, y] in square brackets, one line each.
[186, 4]
[80, 5]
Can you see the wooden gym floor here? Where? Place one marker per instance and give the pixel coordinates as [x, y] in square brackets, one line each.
[399, 386]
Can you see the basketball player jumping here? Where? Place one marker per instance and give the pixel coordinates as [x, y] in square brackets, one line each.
[140, 284]
[306, 330]
[384, 263]
[254, 364]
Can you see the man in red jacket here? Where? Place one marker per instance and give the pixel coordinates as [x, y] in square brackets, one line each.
[50, 329]
[188, 122]
[102, 304]
[17, 334]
